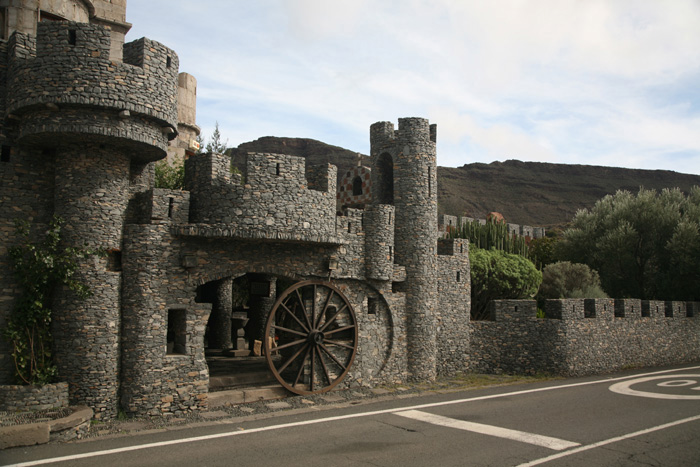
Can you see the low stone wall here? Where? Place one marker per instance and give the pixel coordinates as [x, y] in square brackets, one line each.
[17, 398]
[582, 337]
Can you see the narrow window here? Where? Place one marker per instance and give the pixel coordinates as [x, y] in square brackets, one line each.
[5, 153]
[372, 306]
[177, 332]
[168, 61]
[114, 261]
[357, 186]
[390, 220]
[516, 308]
[391, 252]
[277, 169]
[461, 247]
[171, 201]
[72, 38]
[430, 180]
[349, 227]
[459, 274]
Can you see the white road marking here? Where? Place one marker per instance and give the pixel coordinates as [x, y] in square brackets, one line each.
[515, 435]
[330, 419]
[624, 388]
[609, 441]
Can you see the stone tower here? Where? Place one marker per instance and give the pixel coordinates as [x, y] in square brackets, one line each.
[404, 174]
[99, 123]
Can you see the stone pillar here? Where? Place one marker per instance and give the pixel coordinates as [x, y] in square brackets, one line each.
[260, 305]
[91, 195]
[220, 321]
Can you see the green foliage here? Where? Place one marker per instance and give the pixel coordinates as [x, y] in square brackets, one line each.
[169, 176]
[215, 144]
[569, 280]
[497, 275]
[542, 251]
[39, 269]
[493, 234]
[644, 246]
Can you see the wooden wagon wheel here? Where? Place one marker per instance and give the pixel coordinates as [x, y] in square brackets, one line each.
[311, 337]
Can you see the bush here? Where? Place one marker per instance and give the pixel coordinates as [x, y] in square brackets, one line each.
[170, 176]
[569, 280]
[498, 275]
[644, 246]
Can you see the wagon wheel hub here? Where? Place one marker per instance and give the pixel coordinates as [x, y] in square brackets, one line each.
[315, 337]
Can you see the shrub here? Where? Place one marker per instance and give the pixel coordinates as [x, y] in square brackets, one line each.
[569, 280]
[499, 275]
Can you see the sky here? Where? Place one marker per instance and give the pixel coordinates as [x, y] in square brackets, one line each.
[595, 82]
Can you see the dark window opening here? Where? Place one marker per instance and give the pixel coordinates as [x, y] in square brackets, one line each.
[589, 308]
[372, 306]
[690, 310]
[646, 310]
[2, 23]
[391, 252]
[516, 308]
[385, 179]
[72, 37]
[430, 180]
[461, 247]
[177, 332]
[349, 227]
[114, 261]
[459, 275]
[5, 153]
[357, 186]
[668, 310]
[277, 169]
[168, 61]
[171, 201]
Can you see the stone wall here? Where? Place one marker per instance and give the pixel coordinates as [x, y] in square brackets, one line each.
[276, 199]
[581, 337]
[15, 398]
[453, 311]
[355, 188]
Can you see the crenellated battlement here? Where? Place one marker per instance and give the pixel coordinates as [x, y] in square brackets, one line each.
[273, 199]
[67, 68]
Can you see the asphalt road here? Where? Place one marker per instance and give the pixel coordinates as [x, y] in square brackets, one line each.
[637, 418]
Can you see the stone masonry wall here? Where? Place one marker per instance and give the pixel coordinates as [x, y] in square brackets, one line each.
[275, 201]
[581, 337]
[454, 296]
[146, 83]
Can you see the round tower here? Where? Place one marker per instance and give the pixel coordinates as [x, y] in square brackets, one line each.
[99, 123]
[404, 174]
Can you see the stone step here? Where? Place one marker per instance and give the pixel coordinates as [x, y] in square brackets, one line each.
[241, 396]
[262, 377]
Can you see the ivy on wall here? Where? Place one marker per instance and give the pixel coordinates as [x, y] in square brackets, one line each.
[39, 269]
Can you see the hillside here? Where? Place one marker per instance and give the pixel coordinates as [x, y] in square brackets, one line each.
[532, 193]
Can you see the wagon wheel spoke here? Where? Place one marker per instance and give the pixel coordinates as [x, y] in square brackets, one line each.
[328, 352]
[290, 344]
[301, 342]
[291, 359]
[293, 315]
[291, 331]
[325, 368]
[334, 331]
[339, 344]
[331, 320]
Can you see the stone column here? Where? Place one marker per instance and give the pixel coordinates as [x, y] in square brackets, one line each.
[260, 306]
[220, 321]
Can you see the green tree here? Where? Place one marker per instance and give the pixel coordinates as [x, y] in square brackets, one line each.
[215, 144]
[497, 275]
[39, 269]
[643, 246]
[170, 176]
[569, 280]
[493, 234]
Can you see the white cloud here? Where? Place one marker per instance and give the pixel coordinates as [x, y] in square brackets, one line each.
[559, 80]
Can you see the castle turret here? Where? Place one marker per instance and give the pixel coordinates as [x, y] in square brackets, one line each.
[99, 123]
[404, 174]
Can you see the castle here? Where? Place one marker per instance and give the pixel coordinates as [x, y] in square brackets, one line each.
[375, 296]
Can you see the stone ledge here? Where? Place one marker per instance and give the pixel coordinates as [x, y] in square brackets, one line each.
[243, 233]
[72, 426]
